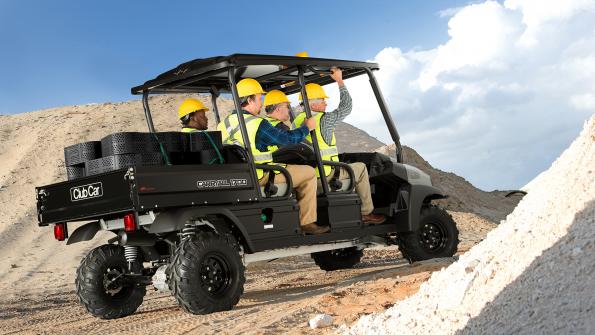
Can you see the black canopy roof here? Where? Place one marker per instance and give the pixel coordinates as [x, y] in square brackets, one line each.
[273, 72]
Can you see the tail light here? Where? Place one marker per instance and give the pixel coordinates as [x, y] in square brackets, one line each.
[60, 231]
[129, 222]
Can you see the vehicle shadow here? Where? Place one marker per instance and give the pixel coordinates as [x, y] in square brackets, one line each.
[287, 294]
[555, 294]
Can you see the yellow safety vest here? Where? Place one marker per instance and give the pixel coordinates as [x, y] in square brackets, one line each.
[328, 151]
[230, 131]
[189, 130]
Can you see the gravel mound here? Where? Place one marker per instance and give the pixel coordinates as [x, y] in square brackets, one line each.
[531, 275]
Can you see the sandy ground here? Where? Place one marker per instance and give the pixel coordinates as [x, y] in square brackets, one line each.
[280, 296]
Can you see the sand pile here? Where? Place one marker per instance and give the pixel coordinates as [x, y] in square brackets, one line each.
[532, 275]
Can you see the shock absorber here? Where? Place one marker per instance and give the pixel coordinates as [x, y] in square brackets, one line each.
[131, 255]
[188, 230]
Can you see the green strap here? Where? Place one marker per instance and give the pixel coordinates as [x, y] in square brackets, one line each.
[221, 160]
[162, 149]
[206, 133]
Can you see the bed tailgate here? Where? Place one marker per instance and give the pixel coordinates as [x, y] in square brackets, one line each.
[85, 198]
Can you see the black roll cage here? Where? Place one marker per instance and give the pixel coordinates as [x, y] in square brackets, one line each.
[218, 75]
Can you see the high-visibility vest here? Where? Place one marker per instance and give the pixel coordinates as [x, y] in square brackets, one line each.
[189, 130]
[230, 132]
[328, 151]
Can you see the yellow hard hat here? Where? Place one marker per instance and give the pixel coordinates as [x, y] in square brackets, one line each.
[302, 54]
[275, 97]
[190, 106]
[248, 86]
[314, 91]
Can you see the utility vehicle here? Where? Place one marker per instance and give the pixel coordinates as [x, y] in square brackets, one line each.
[191, 225]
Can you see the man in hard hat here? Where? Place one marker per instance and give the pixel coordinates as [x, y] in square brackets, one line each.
[325, 134]
[277, 108]
[192, 115]
[264, 140]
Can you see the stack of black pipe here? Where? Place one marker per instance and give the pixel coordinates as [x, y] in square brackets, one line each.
[126, 149]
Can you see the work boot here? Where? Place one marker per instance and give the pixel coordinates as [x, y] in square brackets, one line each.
[373, 218]
[314, 229]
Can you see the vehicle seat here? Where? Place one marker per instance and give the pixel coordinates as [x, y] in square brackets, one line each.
[345, 185]
[280, 191]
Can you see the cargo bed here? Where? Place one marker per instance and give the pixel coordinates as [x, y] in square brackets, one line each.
[143, 188]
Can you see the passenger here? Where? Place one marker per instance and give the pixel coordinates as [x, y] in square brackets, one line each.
[264, 139]
[277, 108]
[192, 115]
[325, 134]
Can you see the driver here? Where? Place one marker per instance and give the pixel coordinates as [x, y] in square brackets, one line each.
[325, 134]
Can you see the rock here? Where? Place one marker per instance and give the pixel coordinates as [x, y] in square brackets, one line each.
[321, 321]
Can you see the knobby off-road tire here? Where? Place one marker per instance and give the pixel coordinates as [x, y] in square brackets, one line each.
[206, 274]
[337, 259]
[436, 237]
[96, 269]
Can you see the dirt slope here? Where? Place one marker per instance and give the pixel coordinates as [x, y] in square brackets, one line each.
[463, 196]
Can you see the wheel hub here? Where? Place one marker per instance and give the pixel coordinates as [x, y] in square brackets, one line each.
[112, 281]
[432, 237]
[214, 274]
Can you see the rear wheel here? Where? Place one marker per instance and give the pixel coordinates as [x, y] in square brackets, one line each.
[436, 237]
[100, 287]
[206, 274]
[337, 259]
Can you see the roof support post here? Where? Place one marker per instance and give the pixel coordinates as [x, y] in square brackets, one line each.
[148, 111]
[214, 96]
[387, 117]
[231, 73]
[308, 112]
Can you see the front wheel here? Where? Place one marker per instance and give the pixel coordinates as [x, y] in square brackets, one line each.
[99, 285]
[436, 237]
[206, 274]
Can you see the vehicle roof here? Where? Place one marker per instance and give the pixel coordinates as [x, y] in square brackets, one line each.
[202, 75]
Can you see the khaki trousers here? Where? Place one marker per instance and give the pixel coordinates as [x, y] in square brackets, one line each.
[303, 178]
[362, 185]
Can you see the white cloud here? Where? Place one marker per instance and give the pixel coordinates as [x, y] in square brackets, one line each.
[500, 100]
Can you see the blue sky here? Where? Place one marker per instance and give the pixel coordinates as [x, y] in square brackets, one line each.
[56, 53]
[491, 90]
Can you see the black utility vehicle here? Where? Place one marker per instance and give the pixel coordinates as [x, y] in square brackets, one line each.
[188, 214]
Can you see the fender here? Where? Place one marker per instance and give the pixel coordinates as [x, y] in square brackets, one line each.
[85, 232]
[419, 195]
[174, 220]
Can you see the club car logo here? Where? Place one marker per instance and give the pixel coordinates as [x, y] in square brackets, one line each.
[220, 183]
[84, 192]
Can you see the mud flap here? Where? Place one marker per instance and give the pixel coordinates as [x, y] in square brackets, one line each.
[85, 232]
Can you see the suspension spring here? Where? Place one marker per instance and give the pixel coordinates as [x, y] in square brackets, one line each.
[188, 230]
[131, 253]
